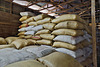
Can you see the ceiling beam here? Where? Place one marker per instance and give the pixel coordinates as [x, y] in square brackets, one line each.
[84, 11]
[59, 4]
[77, 6]
[79, 10]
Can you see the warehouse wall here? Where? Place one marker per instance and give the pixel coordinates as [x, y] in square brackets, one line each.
[8, 24]
[6, 7]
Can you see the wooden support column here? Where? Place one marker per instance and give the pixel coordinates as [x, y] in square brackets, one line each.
[11, 7]
[94, 32]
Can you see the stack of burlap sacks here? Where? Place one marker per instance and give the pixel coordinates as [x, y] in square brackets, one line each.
[24, 20]
[68, 33]
[39, 29]
[73, 36]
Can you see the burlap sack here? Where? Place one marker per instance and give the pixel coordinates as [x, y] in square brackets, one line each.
[88, 29]
[20, 43]
[64, 45]
[36, 37]
[58, 59]
[32, 23]
[83, 44]
[80, 59]
[40, 51]
[31, 42]
[49, 26]
[37, 28]
[29, 28]
[40, 17]
[22, 36]
[69, 25]
[31, 19]
[23, 25]
[44, 31]
[47, 36]
[74, 54]
[2, 41]
[69, 39]
[69, 17]
[21, 33]
[11, 39]
[29, 33]
[28, 37]
[26, 14]
[68, 32]
[5, 46]
[26, 63]
[45, 20]
[23, 18]
[87, 62]
[14, 55]
[44, 42]
[22, 29]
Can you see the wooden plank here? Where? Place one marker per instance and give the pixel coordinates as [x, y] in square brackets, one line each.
[94, 32]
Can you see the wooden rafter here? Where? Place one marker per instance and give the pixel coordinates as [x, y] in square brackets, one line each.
[81, 5]
[52, 0]
[59, 4]
[89, 14]
[61, 7]
[84, 11]
[86, 14]
[79, 10]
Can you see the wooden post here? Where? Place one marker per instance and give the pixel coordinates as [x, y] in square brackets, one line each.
[11, 7]
[94, 32]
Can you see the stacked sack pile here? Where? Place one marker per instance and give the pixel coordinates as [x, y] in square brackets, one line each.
[45, 33]
[37, 28]
[72, 36]
[68, 33]
[25, 19]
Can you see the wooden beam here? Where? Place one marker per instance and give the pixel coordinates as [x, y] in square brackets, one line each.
[86, 14]
[81, 5]
[65, 10]
[52, 0]
[79, 10]
[84, 11]
[8, 0]
[4, 8]
[59, 4]
[89, 17]
[94, 32]
[90, 14]
[11, 7]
